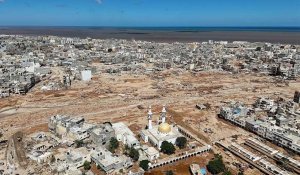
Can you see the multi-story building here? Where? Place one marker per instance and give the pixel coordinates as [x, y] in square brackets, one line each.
[109, 162]
[102, 134]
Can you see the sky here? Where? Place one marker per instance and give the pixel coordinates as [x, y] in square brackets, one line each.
[154, 13]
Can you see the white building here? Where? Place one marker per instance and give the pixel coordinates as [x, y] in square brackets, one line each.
[71, 159]
[150, 152]
[109, 162]
[125, 135]
[76, 158]
[86, 75]
[159, 133]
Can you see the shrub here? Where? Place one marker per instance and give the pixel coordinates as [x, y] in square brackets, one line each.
[134, 154]
[170, 172]
[113, 144]
[87, 165]
[216, 165]
[167, 148]
[144, 164]
[78, 143]
[181, 142]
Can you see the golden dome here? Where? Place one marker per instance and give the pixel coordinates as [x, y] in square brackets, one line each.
[164, 128]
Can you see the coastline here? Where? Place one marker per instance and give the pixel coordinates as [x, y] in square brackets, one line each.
[174, 34]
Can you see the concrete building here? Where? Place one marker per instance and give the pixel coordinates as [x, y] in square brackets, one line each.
[86, 75]
[279, 127]
[195, 169]
[69, 159]
[244, 152]
[158, 133]
[109, 162]
[125, 135]
[236, 113]
[102, 134]
[76, 157]
[70, 128]
[150, 152]
[264, 148]
[272, 168]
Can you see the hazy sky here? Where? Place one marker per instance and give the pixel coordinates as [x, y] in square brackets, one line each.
[150, 12]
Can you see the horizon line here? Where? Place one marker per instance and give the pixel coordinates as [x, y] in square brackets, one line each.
[106, 26]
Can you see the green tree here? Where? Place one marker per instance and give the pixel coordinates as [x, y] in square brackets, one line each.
[181, 142]
[169, 172]
[78, 143]
[113, 144]
[144, 164]
[216, 165]
[167, 148]
[227, 173]
[134, 154]
[87, 165]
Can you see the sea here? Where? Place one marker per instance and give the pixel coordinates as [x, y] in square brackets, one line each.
[284, 35]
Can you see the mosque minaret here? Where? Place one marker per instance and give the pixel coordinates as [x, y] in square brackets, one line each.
[160, 132]
[150, 118]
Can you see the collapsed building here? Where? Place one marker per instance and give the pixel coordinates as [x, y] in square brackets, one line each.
[25, 60]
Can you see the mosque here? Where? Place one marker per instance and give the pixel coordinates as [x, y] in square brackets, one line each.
[161, 132]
